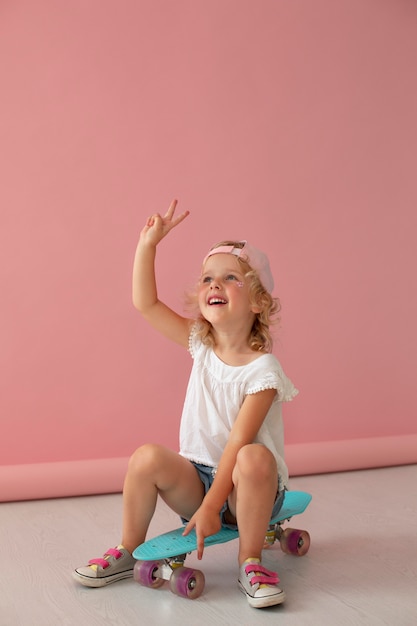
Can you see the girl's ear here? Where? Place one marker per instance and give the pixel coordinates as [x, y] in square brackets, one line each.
[256, 308]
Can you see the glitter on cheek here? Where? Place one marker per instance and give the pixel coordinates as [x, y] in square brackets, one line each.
[239, 283]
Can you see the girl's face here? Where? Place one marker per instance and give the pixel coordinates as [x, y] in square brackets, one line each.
[223, 292]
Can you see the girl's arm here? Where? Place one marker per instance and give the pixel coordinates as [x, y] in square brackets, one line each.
[253, 411]
[144, 289]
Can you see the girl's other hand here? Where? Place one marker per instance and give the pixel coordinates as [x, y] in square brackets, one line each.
[206, 523]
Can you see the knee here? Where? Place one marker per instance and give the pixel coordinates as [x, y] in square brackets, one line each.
[145, 458]
[257, 462]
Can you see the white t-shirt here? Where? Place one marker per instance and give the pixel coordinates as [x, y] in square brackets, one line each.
[214, 396]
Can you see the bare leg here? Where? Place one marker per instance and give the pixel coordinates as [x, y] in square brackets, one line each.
[154, 470]
[255, 479]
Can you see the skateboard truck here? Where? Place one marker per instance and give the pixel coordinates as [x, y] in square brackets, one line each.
[291, 540]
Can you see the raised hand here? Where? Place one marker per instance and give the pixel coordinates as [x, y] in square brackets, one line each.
[157, 227]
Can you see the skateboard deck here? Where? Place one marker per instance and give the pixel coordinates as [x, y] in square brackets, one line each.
[172, 544]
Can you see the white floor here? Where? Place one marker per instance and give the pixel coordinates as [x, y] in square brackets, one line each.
[361, 567]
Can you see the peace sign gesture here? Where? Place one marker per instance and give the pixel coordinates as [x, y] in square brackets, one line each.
[157, 227]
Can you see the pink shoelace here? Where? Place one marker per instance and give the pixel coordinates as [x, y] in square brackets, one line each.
[263, 576]
[103, 561]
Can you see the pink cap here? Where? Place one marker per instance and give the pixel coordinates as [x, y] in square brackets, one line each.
[256, 259]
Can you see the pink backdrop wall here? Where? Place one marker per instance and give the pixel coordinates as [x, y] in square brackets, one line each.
[289, 123]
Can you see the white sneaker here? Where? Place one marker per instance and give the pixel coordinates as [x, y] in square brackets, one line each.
[259, 584]
[116, 564]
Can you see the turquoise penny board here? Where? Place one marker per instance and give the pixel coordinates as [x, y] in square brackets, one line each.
[172, 544]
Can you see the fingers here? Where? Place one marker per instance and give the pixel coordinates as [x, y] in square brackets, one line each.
[171, 210]
[169, 215]
[200, 537]
[180, 218]
[188, 529]
[168, 219]
[200, 547]
[152, 219]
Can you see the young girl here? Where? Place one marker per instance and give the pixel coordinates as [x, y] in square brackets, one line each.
[230, 468]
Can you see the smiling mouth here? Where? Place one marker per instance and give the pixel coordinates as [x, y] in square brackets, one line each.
[216, 300]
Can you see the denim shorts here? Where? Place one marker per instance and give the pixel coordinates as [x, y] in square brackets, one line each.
[207, 474]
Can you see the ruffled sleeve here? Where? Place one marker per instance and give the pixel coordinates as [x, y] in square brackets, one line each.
[193, 342]
[274, 378]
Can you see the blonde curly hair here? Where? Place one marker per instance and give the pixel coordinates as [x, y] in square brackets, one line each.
[260, 338]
